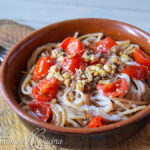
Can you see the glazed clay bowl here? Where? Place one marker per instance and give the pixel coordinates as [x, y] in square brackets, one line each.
[15, 62]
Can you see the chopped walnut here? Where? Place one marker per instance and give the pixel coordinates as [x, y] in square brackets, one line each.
[108, 67]
[66, 75]
[67, 82]
[80, 85]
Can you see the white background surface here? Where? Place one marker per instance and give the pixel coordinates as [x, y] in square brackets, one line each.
[38, 13]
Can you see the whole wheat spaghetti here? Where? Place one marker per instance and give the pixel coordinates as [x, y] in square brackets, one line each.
[93, 76]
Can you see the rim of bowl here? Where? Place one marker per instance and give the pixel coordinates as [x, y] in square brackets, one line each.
[31, 120]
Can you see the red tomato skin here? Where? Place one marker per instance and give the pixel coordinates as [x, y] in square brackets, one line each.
[41, 110]
[42, 66]
[104, 45]
[97, 121]
[73, 46]
[70, 64]
[114, 89]
[138, 72]
[141, 57]
[65, 42]
[48, 93]
[46, 85]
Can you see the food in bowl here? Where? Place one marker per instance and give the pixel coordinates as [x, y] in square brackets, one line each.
[86, 81]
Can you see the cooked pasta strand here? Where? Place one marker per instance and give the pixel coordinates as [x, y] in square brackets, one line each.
[77, 99]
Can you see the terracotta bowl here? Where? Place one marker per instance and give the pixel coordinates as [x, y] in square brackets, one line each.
[16, 60]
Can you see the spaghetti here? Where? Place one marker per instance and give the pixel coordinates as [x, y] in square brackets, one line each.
[87, 81]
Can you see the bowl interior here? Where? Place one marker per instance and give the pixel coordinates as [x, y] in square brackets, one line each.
[15, 61]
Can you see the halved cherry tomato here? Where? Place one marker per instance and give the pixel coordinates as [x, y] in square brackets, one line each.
[45, 90]
[104, 45]
[114, 89]
[70, 64]
[138, 72]
[97, 121]
[41, 110]
[65, 42]
[73, 46]
[141, 57]
[42, 66]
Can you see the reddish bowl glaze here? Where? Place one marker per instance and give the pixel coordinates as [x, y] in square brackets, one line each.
[16, 60]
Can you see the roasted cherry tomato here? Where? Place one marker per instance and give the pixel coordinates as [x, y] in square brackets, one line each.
[97, 121]
[138, 72]
[65, 42]
[141, 57]
[114, 89]
[45, 90]
[42, 66]
[41, 109]
[73, 46]
[104, 45]
[70, 64]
